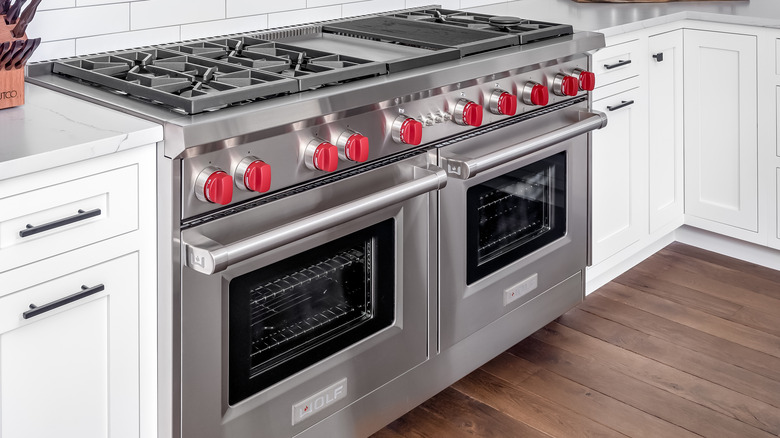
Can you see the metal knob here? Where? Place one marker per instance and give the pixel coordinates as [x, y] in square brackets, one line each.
[253, 174]
[535, 94]
[503, 103]
[565, 85]
[352, 146]
[467, 113]
[321, 155]
[406, 130]
[214, 185]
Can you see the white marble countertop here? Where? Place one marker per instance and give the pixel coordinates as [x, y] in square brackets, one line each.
[52, 129]
[618, 18]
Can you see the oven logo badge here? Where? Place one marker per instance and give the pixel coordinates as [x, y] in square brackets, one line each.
[316, 402]
[454, 170]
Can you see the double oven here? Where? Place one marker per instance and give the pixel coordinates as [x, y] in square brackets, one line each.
[345, 207]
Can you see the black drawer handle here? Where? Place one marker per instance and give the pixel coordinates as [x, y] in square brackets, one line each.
[85, 292]
[620, 63]
[82, 215]
[659, 57]
[622, 104]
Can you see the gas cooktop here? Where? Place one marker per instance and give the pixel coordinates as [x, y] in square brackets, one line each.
[205, 75]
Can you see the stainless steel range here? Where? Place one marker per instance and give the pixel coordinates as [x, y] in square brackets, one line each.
[356, 213]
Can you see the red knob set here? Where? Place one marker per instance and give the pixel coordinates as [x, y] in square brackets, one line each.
[352, 146]
[324, 156]
[565, 85]
[253, 174]
[586, 79]
[503, 103]
[467, 113]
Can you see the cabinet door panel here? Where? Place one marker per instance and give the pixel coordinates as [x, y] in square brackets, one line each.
[617, 189]
[72, 371]
[665, 130]
[721, 144]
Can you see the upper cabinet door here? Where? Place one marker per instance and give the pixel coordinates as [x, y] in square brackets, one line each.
[721, 138]
[665, 130]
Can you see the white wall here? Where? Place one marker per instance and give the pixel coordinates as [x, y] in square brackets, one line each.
[71, 27]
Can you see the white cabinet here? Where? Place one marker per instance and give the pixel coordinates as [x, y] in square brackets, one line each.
[665, 130]
[72, 371]
[81, 361]
[618, 172]
[721, 146]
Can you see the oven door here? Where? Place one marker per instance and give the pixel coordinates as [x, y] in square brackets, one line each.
[513, 217]
[307, 303]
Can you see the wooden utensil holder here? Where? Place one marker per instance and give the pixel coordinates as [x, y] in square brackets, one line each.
[11, 81]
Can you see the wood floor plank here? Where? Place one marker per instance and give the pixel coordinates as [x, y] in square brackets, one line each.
[725, 261]
[662, 404]
[684, 336]
[727, 284]
[419, 424]
[681, 358]
[696, 319]
[583, 400]
[650, 282]
[476, 418]
[695, 389]
[529, 408]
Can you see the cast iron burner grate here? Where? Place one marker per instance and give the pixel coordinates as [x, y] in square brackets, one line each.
[200, 76]
[527, 30]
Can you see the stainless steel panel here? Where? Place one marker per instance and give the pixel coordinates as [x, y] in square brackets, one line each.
[464, 309]
[367, 365]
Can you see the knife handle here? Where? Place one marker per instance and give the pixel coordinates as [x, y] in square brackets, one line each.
[27, 53]
[25, 19]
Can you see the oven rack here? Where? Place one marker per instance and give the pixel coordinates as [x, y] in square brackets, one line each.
[269, 297]
[338, 312]
[487, 248]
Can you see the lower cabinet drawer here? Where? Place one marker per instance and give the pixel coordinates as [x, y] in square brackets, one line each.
[616, 63]
[41, 223]
[72, 370]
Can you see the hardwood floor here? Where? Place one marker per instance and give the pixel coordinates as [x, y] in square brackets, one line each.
[685, 344]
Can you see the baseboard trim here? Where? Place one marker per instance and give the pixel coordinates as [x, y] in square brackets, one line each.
[729, 246]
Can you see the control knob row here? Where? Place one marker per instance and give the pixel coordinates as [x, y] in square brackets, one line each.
[215, 185]
[570, 85]
[323, 155]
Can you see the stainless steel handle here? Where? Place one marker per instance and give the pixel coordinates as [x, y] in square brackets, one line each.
[465, 168]
[209, 257]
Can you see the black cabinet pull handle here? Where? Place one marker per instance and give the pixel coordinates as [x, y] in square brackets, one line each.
[620, 63]
[659, 57]
[622, 104]
[82, 215]
[85, 292]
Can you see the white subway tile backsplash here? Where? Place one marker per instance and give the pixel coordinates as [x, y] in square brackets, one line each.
[224, 27]
[318, 3]
[304, 16]
[56, 4]
[60, 24]
[124, 40]
[238, 8]
[159, 13]
[371, 6]
[446, 4]
[474, 3]
[100, 2]
[54, 49]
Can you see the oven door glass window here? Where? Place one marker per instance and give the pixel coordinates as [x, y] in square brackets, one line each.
[298, 311]
[510, 216]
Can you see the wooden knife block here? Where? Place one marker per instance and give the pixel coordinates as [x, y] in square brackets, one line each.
[11, 81]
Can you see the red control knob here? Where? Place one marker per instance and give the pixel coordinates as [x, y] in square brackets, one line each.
[504, 103]
[564, 85]
[535, 94]
[467, 113]
[214, 185]
[407, 130]
[587, 79]
[321, 155]
[253, 174]
[353, 146]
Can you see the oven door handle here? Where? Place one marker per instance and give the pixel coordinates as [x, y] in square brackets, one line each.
[207, 256]
[461, 167]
